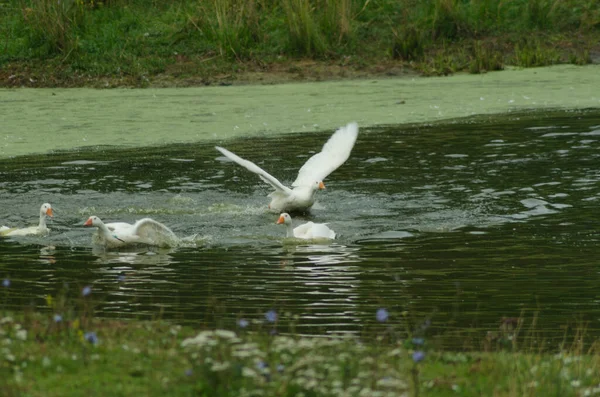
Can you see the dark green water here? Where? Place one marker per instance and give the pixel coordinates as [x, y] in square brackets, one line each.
[463, 223]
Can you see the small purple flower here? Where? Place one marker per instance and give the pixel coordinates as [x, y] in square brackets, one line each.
[382, 315]
[188, 372]
[57, 318]
[121, 278]
[425, 325]
[418, 341]
[6, 283]
[271, 316]
[86, 290]
[280, 367]
[418, 356]
[91, 337]
[261, 365]
[242, 323]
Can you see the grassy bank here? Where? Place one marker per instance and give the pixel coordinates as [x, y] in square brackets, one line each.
[183, 42]
[67, 351]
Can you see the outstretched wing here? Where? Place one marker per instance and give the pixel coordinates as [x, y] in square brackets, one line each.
[5, 230]
[334, 153]
[250, 166]
[154, 232]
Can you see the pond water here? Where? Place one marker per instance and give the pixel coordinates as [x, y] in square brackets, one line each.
[460, 223]
[455, 220]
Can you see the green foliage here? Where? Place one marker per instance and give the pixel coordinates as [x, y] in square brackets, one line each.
[135, 39]
[531, 53]
[77, 354]
[232, 25]
[485, 58]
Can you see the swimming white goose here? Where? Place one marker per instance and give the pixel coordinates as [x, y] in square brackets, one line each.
[308, 231]
[40, 230]
[118, 234]
[310, 177]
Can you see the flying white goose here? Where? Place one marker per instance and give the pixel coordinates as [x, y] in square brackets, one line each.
[40, 229]
[310, 177]
[118, 234]
[308, 231]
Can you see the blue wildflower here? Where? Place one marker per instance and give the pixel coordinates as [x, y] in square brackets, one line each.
[418, 341]
[91, 337]
[382, 315]
[242, 323]
[86, 290]
[271, 316]
[188, 372]
[121, 277]
[280, 367]
[57, 318]
[6, 283]
[261, 365]
[418, 356]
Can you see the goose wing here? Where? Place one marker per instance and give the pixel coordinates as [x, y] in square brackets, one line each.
[334, 153]
[250, 166]
[152, 231]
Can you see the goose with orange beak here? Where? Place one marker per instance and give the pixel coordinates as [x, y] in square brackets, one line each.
[307, 231]
[146, 231]
[40, 230]
[310, 177]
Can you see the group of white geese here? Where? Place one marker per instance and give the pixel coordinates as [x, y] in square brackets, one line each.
[300, 197]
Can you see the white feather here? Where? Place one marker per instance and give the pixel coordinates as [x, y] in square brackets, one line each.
[310, 177]
[334, 153]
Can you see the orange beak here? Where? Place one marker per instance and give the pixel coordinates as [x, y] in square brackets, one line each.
[321, 185]
[88, 222]
[280, 220]
[49, 212]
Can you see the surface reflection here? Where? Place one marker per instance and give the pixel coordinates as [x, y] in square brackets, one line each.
[471, 221]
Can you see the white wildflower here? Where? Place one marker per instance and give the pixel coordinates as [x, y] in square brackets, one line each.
[575, 383]
[396, 352]
[46, 362]
[388, 381]
[225, 334]
[249, 373]
[216, 367]
[21, 334]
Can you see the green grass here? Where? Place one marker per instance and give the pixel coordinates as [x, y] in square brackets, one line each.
[75, 41]
[41, 356]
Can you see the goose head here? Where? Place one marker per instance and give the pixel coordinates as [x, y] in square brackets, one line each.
[46, 209]
[93, 221]
[318, 185]
[284, 218]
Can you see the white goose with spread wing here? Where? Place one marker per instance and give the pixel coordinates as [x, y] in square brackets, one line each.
[310, 177]
[118, 234]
